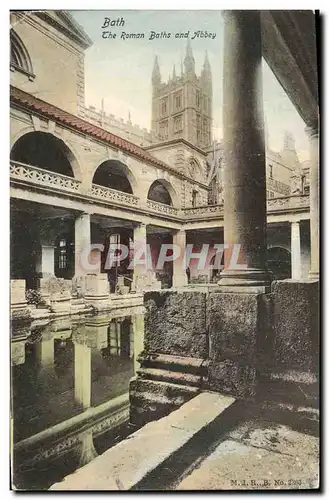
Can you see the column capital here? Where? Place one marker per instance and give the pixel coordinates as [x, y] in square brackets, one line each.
[140, 224]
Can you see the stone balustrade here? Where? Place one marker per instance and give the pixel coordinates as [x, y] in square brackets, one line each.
[113, 195]
[277, 186]
[39, 176]
[161, 208]
[208, 211]
[292, 202]
[32, 175]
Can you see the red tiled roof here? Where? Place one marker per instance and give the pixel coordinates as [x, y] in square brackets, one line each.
[26, 100]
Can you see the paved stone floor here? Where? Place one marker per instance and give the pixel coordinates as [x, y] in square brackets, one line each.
[260, 456]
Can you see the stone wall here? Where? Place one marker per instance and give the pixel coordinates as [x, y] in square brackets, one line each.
[237, 326]
[175, 323]
[55, 60]
[229, 343]
[296, 325]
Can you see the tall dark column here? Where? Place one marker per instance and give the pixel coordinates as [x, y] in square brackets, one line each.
[244, 154]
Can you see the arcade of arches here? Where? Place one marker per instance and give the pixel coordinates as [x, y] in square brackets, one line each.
[55, 235]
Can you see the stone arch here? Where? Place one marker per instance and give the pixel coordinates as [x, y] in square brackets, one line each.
[19, 56]
[162, 191]
[194, 168]
[279, 262]
[116, 175]
[45, 150]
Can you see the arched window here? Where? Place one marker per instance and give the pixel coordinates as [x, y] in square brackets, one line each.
[194, 170]
[19, 56]
[159, 192]
[45, 151]
[115, 175]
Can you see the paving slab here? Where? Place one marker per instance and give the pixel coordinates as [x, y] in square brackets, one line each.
[127, 463]
[259, 459]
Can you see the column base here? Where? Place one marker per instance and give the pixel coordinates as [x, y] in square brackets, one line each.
[180, 282]
[314, 275]
[244, 281]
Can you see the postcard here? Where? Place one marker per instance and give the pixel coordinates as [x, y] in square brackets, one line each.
[164, 250]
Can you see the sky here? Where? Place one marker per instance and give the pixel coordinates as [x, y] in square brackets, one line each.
[119, 70]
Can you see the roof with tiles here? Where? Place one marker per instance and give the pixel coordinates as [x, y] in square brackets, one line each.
[19, 97]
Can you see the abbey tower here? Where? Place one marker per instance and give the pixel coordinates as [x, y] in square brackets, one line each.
[182, 106]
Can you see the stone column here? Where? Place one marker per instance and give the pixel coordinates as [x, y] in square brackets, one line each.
[313, 133]
[295, 251]
[244, 155]
[179, 265]
[141, 255]
[82, 244]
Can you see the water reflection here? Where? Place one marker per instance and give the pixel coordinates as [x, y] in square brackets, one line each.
[70, 384]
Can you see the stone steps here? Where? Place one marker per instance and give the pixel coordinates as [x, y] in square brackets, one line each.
[177, 378]
[152, 399]
[189, 379]
[132, 463]
[174, 363]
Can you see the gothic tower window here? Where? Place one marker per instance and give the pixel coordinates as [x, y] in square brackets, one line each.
[164, 107]
[163, 129]
[178, 101]
[197, 98]
[205, 104]
[178, 124]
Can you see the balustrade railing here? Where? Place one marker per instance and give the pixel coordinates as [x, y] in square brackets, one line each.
[204, 211]
[288, 202]
[108, 194]
[161, 208]
[39, 176]
[277, 186]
